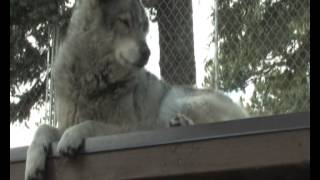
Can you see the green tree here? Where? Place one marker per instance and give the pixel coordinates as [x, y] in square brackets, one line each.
[267, 43]
[28, 62]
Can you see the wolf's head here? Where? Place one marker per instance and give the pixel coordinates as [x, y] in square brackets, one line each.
[117, 26]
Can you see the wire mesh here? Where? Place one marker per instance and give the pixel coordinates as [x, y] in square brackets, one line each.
[175, 24]
[263, 50]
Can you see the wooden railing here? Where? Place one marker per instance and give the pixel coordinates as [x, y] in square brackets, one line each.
[275, 147]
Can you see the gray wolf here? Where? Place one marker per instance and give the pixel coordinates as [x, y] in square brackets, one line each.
[101, 86]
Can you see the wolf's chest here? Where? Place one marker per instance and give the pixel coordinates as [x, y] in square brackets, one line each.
[109, 111]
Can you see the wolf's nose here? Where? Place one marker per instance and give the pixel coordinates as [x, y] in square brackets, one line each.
[145, 51]
[144, 55]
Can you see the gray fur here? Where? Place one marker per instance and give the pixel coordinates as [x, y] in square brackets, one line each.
[102, 88]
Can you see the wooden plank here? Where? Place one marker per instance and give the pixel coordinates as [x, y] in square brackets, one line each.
[217, 155]
[258, 125]
[286, 148]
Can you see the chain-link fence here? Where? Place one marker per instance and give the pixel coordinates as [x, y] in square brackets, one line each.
[49, 97]
[266, 44]
[175, 25]
[263, 50]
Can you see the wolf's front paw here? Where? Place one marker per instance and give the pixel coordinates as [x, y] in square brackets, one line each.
[70, 143]
[180, 120]
[35, 163]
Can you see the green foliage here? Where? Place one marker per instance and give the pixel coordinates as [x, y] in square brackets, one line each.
[267, 43]
[31, 18]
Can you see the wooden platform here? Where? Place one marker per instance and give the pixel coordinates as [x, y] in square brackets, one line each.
[275, 147]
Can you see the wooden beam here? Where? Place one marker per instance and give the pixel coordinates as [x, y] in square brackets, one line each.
[275, 147]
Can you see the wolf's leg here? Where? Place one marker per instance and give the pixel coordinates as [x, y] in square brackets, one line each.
[72, 140]
[209, 107]
[180, 120]
[38, 151]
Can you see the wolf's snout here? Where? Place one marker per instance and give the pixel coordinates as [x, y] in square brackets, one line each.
[144, 54]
